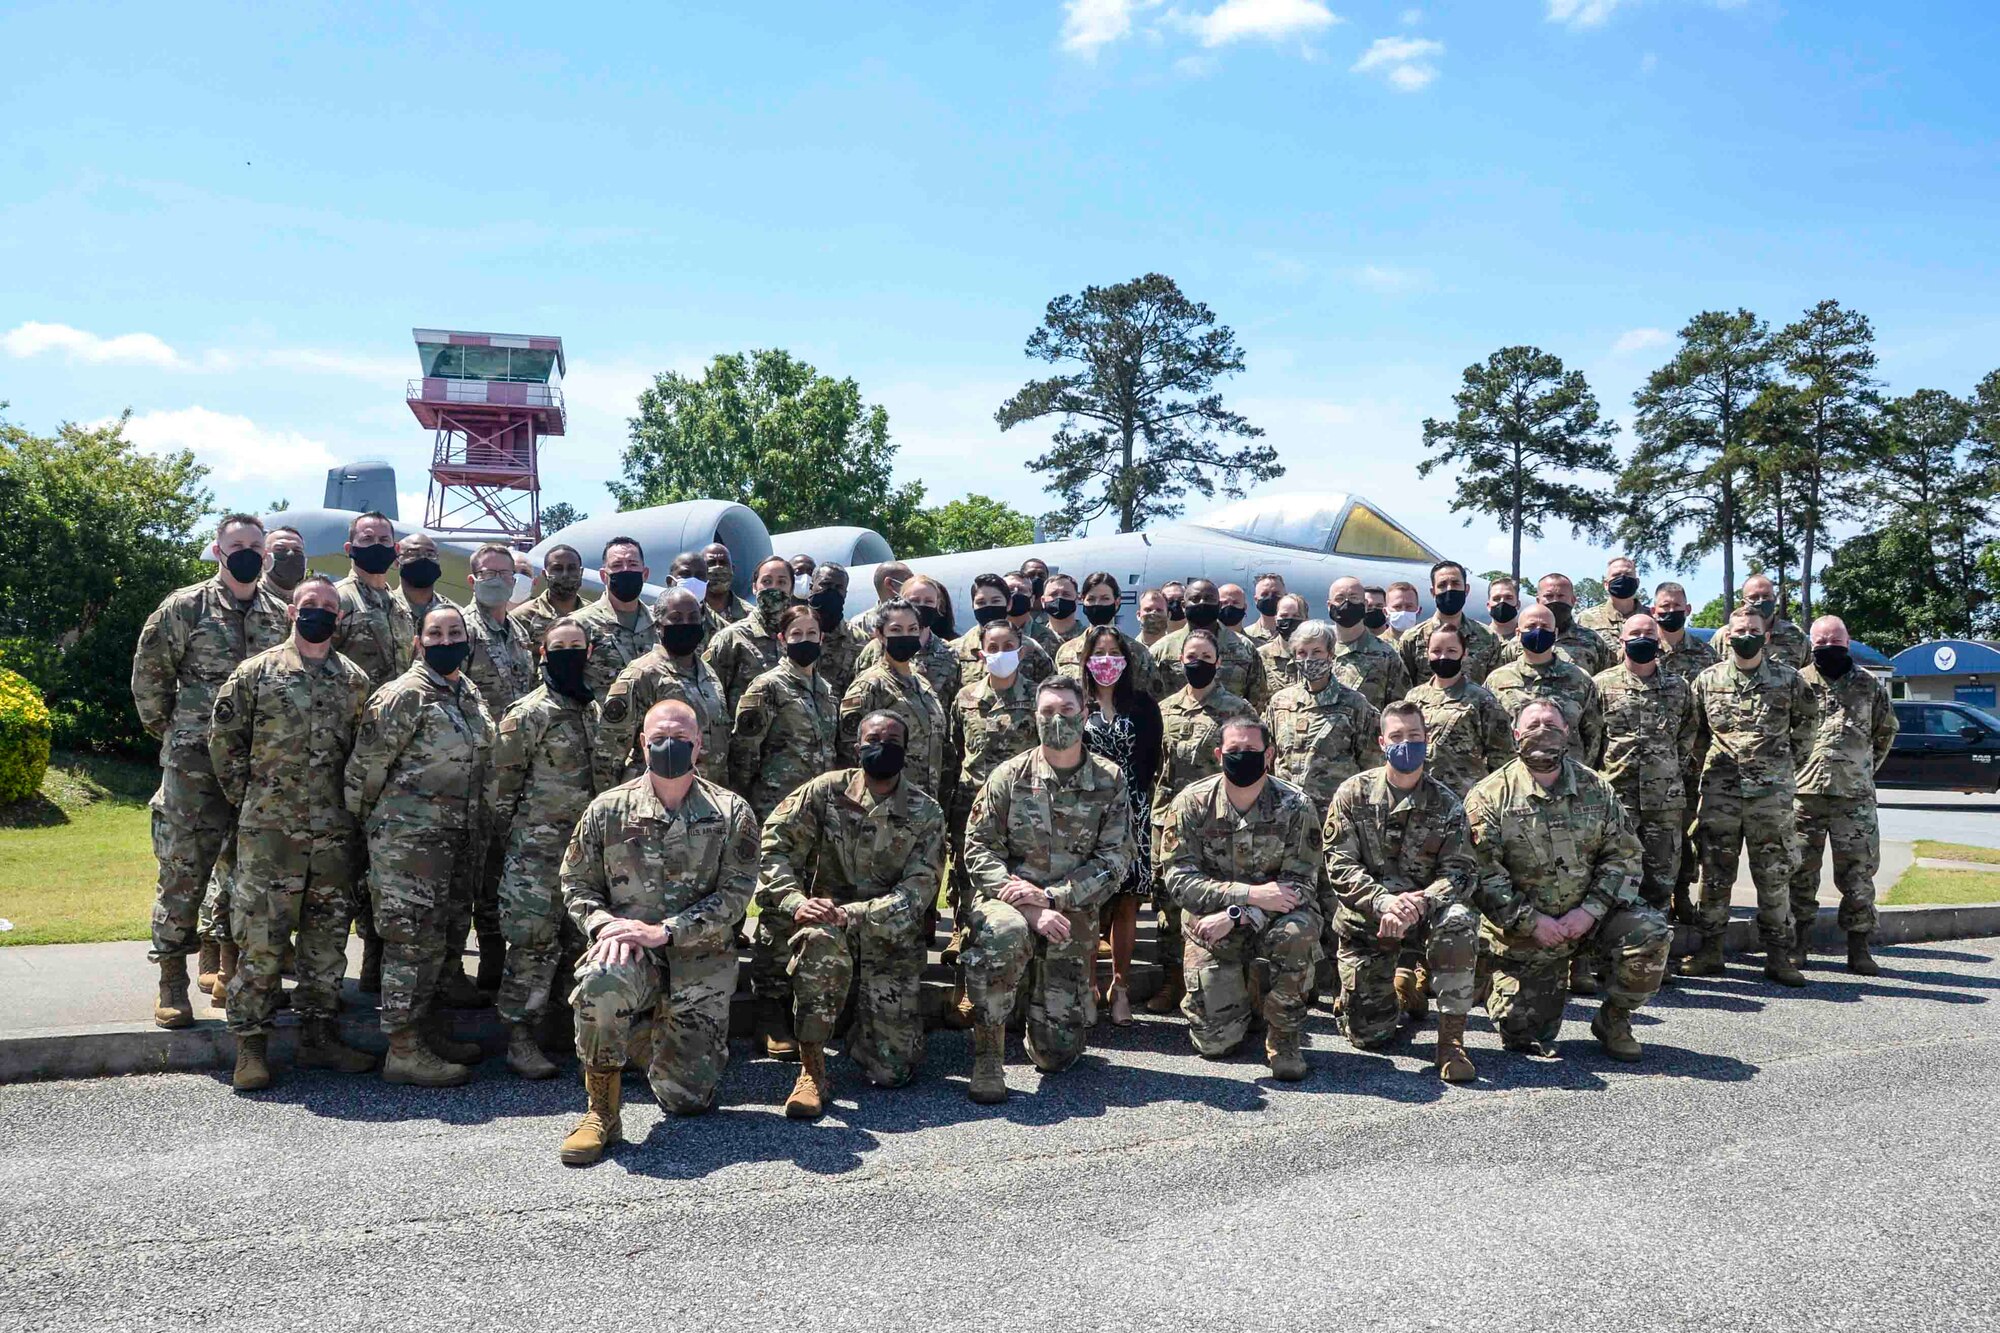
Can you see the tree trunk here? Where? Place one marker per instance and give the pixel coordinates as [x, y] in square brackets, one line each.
[1514, 571]
[1728, 541]
[1128, 500]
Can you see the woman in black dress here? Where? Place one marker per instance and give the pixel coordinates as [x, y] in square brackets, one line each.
[1123, 726]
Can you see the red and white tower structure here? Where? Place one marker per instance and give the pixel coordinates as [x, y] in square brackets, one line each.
[491, 398]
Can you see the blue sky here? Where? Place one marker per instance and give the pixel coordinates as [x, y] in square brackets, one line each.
[229, 218]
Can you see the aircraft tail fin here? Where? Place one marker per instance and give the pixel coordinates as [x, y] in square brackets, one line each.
[361, 486]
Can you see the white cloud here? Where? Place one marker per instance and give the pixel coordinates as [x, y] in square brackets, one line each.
[236, 449]
[1273, 20]
[33, 339]
[1581, 13]
[1410, 18]
[1404, 61]
[1091, 24]
[1640, 340]
[410, 507]
[1390, 280]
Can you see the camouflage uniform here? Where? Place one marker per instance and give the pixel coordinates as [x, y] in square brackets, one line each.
[740, 654]
[542, 782]
[1280, 667]
[614, 645]
[1519, 682]
[1576, 645]
[1036, 664]
[988, 727]
[1482, 650]
[374, 630]
[1238, 668]
[503, 666]
[652, 678]
[1213, 854]
[692, 870]
[879, 857]
[840, 657]
[1753, 728]
[400, 594]
[1687, 659]
[927, 755]
[1322, 739]
[1648, 758]
[416, 781]
[1787, 643]
[1836, 795]
[1468, 732]
[1138, 661]
[1054, 640]
[1069, 834]
[283, 729]
[1381, 841]
[936, 661]
[1373, 668]
[187, 649]
[735, 609]
[1190, 733]
[1551, 851]
[533, 618]
[1607, 622]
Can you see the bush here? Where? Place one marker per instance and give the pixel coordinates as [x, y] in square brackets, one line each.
[25, 732]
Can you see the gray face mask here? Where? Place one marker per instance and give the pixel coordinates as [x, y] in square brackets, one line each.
[1059, 731]
[493, 592]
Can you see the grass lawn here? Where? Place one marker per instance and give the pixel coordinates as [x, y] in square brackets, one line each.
[76, 862]
[1920, 884]
[1958, 851]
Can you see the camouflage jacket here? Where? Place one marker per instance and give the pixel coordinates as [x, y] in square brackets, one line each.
[1580, 647]
[734, 610]
[1788, 643]
[926, 752]
[740, 654]
[282, 732]
[1468, 731]
[187, 649]
[988, 727]
[533, 618]
[1753, 727]
[1280, 667]
[937, 662]
[502, 664]
[1548, 851]
[1649, 738]
[652, 678]
[401, 596]
[1380, 841]
[1036, 664]
[1856, 727]
[614, 645]
[1052, 639]
[1608, 624]
[692, 869]
[878, 856]
[1068, 834]
[1482, 650]
[1518, 683]
[1321, 740]
[1213, 855]
[1687, 659]
[374, 631]
[783, 736]
[542, 771]
[1238, 669]
[421, 757]
[1138, 661]
[1372, 667]
[840, 657]
[1190, 733]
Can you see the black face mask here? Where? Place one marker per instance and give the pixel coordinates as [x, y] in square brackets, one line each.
[1243, 767]
[316, 623]
[828, 606]
[1018, 604]
[1376, 617]
[1746, 646]
[421, 572]
[244, 566]
[803, 652]
[670, 757]
[445, 658]
[374, 559]
[1199, 674]
[1449, 602]
[1038, 582]
[1286, 624]
[1503, 613]
[1539, 639]
[1203, 615]
[1231, 616]
[1346, 614]
[1176, 610]
[901, 647]
[1447, 668]
[1832, 660]
[562, 669]
[625, 584]
[989, 613]
[927, 617]
[1564, 613]
[680, 640]
[1100, 613]
[1671, 621]
[1062, 608]
[287, 569]
[881, 760]
[1622, 586]
[1642, 651]
[1267, 606]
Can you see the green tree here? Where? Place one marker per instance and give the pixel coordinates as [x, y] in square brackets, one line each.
[1694, 459]
[975, 523]
[1829, 353]
[1524, 427]
[278, 506]
[1875, 583]
[767, 430]
[1590, 592]
[1142, 423]
[1931, 478]
[1773, 513]
[97, 533]
[560, 515]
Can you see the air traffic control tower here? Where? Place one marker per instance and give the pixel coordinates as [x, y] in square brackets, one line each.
[491, 398]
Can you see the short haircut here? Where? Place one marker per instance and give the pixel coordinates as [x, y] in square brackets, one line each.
[792, 614]
[1170, 583]
[1267, 574]
[354, 524]
[632, 542]
[1554, 574]
[1493, 585]
[925, 580]
[313, 580]
[435, 607]
[1202, 582]
[1063, 685]
[555, 551]
[231, 520]
[771, 560]
[1670, 587]
[1240, 722]
[887, 572]
[1448, 564]
[833, 570]
[999, 622]
[285, 527]
[895, 606]
[1404, 585]
[1102, 578]
[993, 581]
[1055, 574]
[1320, 632]
[1408, 708]
[883, 714]
[1534, 705]
[1031, 560]
[494, 548]
[1442, 628]
[1367, 591]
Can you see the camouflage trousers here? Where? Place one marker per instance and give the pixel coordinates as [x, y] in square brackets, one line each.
[191, 837]
[288, 882]
[1725, 823]
[1661, 835]
[1217, 1003]
[886, 977]
[1527, 987]
[1166, 915]
[958, 884]
[213, 922]
[1849, 824]
[1449, 947]
[1004, 955]
[675, 1016]
[531, 921]
[479, 910]
[414, 873]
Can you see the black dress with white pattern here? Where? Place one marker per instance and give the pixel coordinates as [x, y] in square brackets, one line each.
[1112, 737]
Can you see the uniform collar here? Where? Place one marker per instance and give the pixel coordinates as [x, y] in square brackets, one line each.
[1260, 810]
[898, 800]
[1084, 777]
[1564, 785]
[647, 804]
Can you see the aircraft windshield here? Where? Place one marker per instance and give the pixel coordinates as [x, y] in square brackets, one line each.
[1367, 533]
[1302, 521]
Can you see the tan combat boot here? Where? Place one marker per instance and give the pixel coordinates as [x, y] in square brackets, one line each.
[1779, 967]
[173, 1010]
[411, 1061]
[1613, 1029]
[1453, 1064]
[369, 982]
[1282, 1054]
[988, 1086]
[813, 1089]
[957, 1012]
[955, 946]
[320, 1047]
[776, 1039]
[1167, 999]
[1706, 960]
[524, 1053]
[253, 1070]
[210, 961]
[1409, 995]
[439, 1039]
[1859, 961]
[225, 968]
[601, 1125]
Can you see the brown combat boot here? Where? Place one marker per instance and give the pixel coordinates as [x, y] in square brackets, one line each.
[955, 946]
[1409, 995]
[988, 1085]
[813, 1089]
[369, 982]
[253, 1069]
[957, 1012]
[1167, 999]
[1859, 961]
[173, 1010]
[205, 969]
[412, 1062]
[225, 968]
[320, 1047]
[1706, 960]
[524, 1054]
[1583, 978]
[1779, 967]
[438, 1037]
[1613, 1029]
[1282, 1054]
[601, 1125]
[776, 1038]
[1453, 1064]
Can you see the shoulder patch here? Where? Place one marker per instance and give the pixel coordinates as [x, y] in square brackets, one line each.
[225, 710]
[511, 722]
[616, 707]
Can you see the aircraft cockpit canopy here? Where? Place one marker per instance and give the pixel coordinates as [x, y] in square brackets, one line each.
[1326, 523]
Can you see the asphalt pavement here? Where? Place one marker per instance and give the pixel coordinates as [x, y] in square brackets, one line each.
[1947, 816]
[1799, 1160]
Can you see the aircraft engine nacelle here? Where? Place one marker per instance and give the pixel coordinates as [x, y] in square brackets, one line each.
[840, 546]
[667, 530]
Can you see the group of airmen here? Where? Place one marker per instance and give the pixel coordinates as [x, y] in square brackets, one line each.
[1365, 810]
